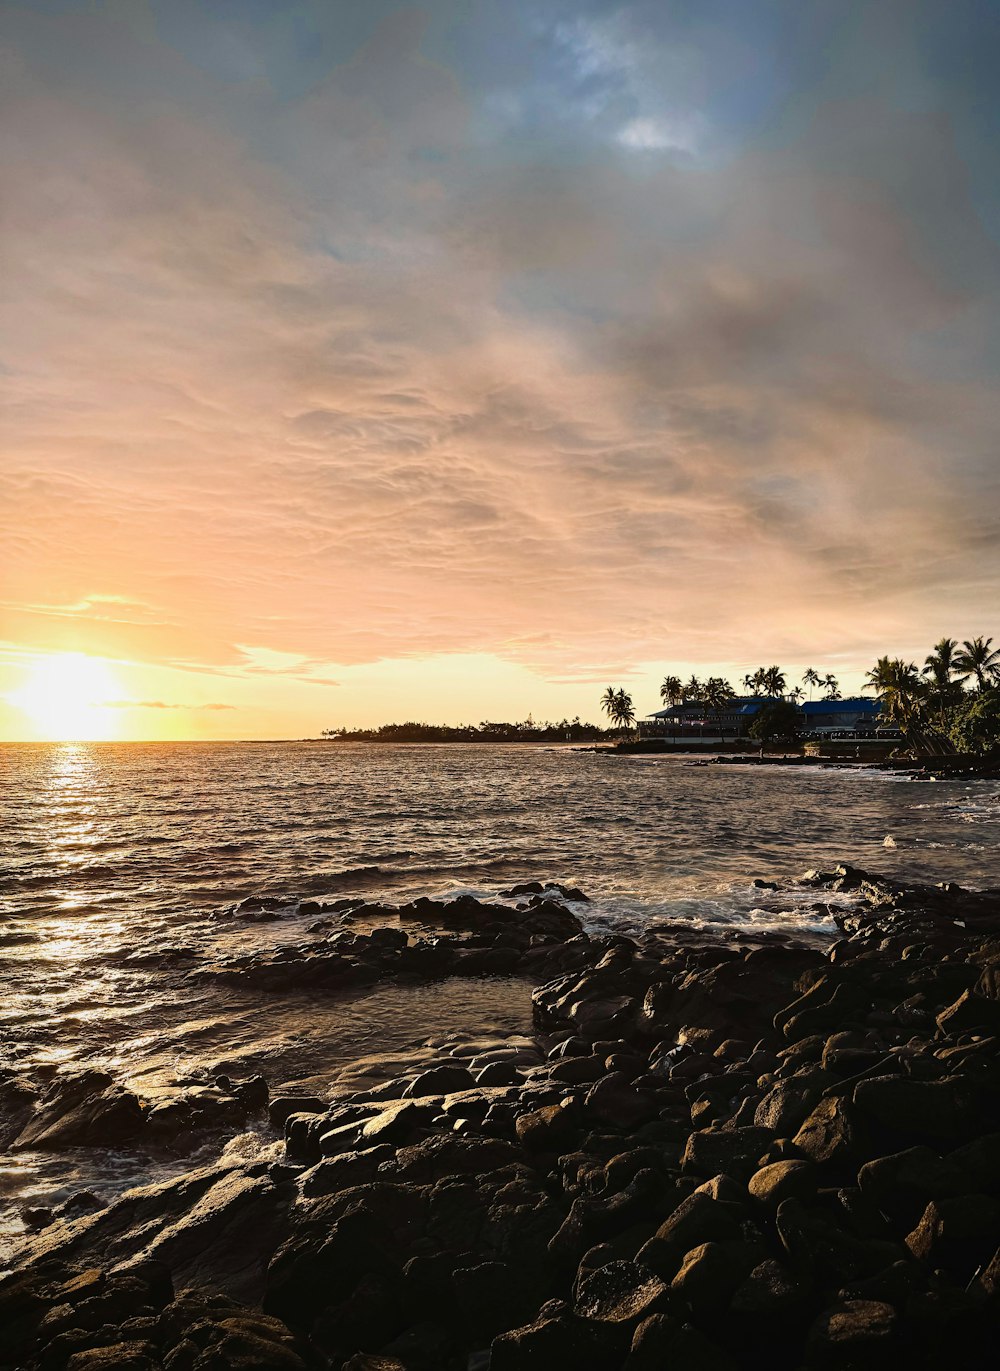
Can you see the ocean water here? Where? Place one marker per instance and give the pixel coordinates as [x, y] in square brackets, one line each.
[115, 861]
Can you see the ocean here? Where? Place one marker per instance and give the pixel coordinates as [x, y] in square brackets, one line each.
[118, 863]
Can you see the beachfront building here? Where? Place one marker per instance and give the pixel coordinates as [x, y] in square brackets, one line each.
[691, 720]
[854, 715]
[818, 716]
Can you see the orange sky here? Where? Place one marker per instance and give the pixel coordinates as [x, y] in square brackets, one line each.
[365, 363]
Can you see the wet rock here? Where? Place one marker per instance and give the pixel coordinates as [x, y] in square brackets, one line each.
[85, 1109]
[620, 1292]
[282, 1106]
[440, 1080]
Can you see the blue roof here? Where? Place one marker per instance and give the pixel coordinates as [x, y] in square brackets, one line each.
[855, 705]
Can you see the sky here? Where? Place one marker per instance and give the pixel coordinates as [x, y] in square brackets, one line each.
[453, 361]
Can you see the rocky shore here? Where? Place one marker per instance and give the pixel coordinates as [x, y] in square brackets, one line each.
[712, 1153]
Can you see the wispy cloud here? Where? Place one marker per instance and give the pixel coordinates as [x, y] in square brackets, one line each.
[159, 704]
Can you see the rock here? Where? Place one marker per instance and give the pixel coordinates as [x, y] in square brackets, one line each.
[979, 1164]
[498, 1074]
[663, 1343]
[397, 1123]
[123, 1356]
[854, 1334]
[781, 1181]
[83, 1110]
[959, 1234]
[970, 1012]
[903, 1183]
[253, 1094]
[711, 1272]
[283, 1106]
[614, 1100]
[769, 1296]
[913, 1110]
[620, 1292]
[819, 1246]
[735, 1151]
[697, 1219]
[832, 1135]
[492, 1296]
[440, 1080]
[785, 1107]
[591, 1221]
[560, 1341]
[577, 1071]
[553, 1128]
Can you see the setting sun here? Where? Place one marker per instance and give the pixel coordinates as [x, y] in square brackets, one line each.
[66, 697]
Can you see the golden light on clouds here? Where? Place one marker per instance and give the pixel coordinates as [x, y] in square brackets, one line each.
[470, 361]
[66, 698]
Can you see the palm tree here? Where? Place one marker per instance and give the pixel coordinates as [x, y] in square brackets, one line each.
[672, 690]
[608, 702]
[941, 667]
[693, 691]
[796, 695]
[832, 687]
[811, 677]
[773, 680]
[903, 696]
[717, 693]
[624, 713]
[980, 661]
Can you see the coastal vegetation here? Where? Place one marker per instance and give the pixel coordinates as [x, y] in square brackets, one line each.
[618, 706]
[527, 731]
[949, 705]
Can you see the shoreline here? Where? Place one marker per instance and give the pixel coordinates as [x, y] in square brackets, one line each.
[714, 1150]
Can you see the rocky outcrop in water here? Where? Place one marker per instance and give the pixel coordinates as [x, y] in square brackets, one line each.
[711, 1157]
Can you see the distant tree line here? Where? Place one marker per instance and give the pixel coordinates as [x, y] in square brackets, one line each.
[488, 731]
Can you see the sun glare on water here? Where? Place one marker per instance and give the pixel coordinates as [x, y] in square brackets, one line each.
[66, 697]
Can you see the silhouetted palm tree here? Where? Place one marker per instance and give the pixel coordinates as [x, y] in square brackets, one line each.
[903, 696]
[672, 690]
[608, 702]
[832, 687]
[980, 661]
[624, 712]
[693, 690]
[717, 693]
[773, 680]
[942, 669]
[811, 678]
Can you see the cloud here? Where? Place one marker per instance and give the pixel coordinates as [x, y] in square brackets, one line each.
[388, 363]
[158, 704]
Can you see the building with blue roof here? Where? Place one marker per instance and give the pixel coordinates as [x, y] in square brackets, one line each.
[818, 716]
